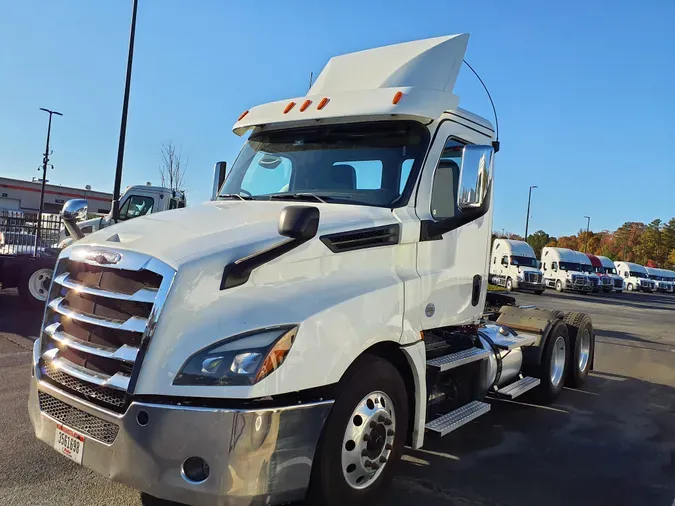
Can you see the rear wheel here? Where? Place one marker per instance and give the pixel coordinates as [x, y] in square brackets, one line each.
[552, 369]
[559, 286]
[363, 437]
[34, 283]
[582, 347]
[148, 500]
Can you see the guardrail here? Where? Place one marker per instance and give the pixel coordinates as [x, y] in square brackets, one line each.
[18, 229]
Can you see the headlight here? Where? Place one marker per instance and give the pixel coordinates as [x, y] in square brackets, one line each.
[519, 277]
[240, 360]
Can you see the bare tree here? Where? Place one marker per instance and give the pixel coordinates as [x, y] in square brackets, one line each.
[172, 168]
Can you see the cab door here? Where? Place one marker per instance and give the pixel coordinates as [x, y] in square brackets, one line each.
[454, 206]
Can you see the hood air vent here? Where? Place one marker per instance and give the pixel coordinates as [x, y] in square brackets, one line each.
[363, 238]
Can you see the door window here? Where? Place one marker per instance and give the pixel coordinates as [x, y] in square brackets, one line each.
[554, 266]
[136, 205]
[446, 180]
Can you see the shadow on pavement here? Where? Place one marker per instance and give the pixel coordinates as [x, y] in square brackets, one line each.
[636, 300]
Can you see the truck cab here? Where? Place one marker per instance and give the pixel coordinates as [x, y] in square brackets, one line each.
[514, 266]
[606, 281]
[286, 340]
[587, 267]
[610, 270]
[635, 277]
[135, 201]
[563, 270]
[662, 284]
[670, 277]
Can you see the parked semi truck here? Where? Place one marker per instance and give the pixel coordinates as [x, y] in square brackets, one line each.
[610, 270]
[635, 277]
[563, 271]
[593, 276]
[288, 339]
[514, 266]
[660, 279]
[607, 281]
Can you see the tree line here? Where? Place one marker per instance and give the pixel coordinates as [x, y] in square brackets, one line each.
[652, 244]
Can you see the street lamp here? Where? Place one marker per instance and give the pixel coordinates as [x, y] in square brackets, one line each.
[588, 227]
[45, 162]
[527, 220]
[123, 125]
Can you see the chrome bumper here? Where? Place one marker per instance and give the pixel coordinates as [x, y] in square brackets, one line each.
[262, 456]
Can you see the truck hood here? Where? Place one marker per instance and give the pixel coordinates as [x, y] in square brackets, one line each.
[183, 235]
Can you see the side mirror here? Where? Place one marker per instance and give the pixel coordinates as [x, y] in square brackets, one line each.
[299, 222]
[219, 172]
[73, 211]
[475, 176]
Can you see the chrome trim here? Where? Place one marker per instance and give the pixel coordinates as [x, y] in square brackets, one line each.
[133, 324]
[124, 353]
[118, 381]
[142, 295]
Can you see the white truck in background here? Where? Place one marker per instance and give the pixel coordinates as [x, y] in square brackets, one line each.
[135, 201]
[514, 266]
[670, 277]
[635, 277]
[563, 270]
[610, 270]
[285, 341]
[660, 279]
[594, 277]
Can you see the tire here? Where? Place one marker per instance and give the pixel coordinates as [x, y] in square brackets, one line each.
[558, 286]
[369, 378]
[582, 348]
[555, 351]
[148, 500]
[509, 285]
[34, 282]
[538, 292]
[629, 287]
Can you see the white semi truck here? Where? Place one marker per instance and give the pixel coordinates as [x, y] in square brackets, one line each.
[587, 266]
[610, 270]
[513, 265]
[288, 339]
[660, 278]
[635, 277]
[563, 270]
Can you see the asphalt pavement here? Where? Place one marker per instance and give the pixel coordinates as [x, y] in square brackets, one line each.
[612, 443]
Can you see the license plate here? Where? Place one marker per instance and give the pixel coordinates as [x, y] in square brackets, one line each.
[69, 443]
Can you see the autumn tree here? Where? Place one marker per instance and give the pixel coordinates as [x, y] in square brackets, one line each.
[538, 240]
[172, 168]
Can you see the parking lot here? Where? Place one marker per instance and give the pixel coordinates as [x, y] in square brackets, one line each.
[611, 444]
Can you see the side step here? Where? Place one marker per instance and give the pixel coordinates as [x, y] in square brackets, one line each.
[509, 342]
[516, 388]
[457, 359]
[455, 419]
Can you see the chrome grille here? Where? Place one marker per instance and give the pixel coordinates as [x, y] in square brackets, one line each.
[87, 424]
[618, 283]
[98, 318]
[594, 281]
[532, 277]
[606, 281]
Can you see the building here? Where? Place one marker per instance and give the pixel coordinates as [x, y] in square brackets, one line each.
[20, 195]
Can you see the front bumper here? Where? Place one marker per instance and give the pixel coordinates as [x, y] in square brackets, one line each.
[254, 456]
[580, 287]
[526, 285]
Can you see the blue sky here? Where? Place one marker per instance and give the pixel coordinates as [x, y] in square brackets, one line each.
[576, 85]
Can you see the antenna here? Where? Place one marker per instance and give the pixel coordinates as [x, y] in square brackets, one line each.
[311, 78]
[495, 144]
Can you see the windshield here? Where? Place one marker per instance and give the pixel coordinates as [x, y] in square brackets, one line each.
[610, 270]
[570, 266]
[365, 163]
[523, 261]
[636, 274]
[599, 270]
[587, 268]
[656, 278]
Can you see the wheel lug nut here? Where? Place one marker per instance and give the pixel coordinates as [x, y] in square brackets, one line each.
[373, 424]
[374, 465]
[364, 453]
[380, 418]
[387, 421]
[390, 432]
[383, 460]
[366, 437]
[388, 446]
[366, 463]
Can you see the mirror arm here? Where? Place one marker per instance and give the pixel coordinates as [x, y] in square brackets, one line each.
[431, 230]
[73, 229]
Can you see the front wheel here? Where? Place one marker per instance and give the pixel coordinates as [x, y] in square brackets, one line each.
[34, 283]
[509, 285]
[559, 286]
[363, 437]
[629, 287]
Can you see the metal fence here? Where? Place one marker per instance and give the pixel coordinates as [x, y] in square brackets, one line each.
[18, 228]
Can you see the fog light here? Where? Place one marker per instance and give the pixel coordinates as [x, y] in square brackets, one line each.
[195, 470]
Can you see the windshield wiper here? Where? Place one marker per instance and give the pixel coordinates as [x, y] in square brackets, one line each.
[233, 196]
[296, 196]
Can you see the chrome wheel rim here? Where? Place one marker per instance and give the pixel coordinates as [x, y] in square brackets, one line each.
[38, 284]
[558, 361]
[584, 349]
[368, 440]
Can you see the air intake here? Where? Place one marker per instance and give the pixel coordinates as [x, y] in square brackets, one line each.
[364, 238]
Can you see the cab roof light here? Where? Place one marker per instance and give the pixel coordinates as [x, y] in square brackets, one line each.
[305, 105]
[323, 103]
[243, 114]
[397, 97]
[290, 106]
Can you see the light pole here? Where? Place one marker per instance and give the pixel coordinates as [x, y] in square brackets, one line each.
[527, 219]
[588, 227]
[123, 125]
[45, 162]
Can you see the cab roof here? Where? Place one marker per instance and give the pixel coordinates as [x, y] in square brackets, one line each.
[412, 80]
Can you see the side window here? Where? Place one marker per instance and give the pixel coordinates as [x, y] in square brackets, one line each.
[136, 205]
[267, 174]
[173, 204]
[554, 265]
[505, 261]
[625, 274]
[544, 266]
[406, 167]
[446, 181]
[368, 173]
